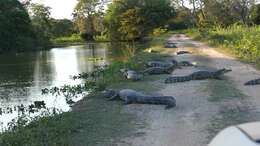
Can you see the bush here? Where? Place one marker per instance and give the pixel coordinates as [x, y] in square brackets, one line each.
[74, 38]
[159, 31]
[101, 38]
[240, 40]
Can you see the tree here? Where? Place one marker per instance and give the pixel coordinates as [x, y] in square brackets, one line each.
[222, 12]
[61, 27]
[242, 7]
[85, 14]
[182, 20]
[16, 32]
[255, 14]
[40, 16]
[131, 24]
[156, 13]
[149, 14]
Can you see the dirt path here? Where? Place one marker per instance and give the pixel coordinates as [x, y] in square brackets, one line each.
[203, 107]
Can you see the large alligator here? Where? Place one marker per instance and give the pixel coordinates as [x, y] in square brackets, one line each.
[182, 52]
[174, 63]
[161, 63]
[199, 75]
[170, 45]
[253, 82]
[131, 74]
[159, 70]
[185, 63]
[130, 96]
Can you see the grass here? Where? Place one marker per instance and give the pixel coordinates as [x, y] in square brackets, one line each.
[75, 39]
[222, 90]
[94, 120]
[68, 40]
[226, 118]
[241, 41]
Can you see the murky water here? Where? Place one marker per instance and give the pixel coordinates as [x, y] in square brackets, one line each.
[22, 76]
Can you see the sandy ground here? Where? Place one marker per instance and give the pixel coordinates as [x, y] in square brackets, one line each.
[188, 123]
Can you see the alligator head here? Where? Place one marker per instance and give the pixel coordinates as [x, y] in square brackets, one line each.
[108, 93]
[222, 71]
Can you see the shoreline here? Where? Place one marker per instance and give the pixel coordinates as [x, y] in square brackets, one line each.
[94, 111]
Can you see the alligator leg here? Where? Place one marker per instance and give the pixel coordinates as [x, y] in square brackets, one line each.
[218, 78]
[169, 107]
[127, 101]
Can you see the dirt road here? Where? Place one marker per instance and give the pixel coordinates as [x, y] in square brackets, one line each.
[203, 107]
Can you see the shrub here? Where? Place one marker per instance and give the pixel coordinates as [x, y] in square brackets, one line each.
[159, 31]
[240, 40]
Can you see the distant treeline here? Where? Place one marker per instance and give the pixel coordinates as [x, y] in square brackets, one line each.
[28, 26]
[222, 13]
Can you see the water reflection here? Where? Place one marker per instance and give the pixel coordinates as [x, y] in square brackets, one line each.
[22, 76]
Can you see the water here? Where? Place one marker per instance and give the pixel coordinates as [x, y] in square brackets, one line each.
[22, 76]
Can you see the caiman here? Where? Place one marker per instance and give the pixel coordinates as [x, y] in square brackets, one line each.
[199, 75]
[130, 96]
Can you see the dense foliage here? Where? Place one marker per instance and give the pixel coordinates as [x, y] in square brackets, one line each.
[88, 17]
[135, 19]
[61, 27]
[40, 16]
[255, 14]
[16, 33]
[240, 40]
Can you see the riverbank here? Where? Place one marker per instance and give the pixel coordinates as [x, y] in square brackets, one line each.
[75, 39]
[93, 121]
[203, 107]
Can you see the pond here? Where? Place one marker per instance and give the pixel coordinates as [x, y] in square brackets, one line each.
[23, 75]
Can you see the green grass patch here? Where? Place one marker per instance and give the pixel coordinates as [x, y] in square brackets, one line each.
[242, 41]
[226, 118]
[222, 90]
[66, 40]
[94, 121]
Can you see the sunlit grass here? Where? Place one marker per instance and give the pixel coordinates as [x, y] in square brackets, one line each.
[241, 41]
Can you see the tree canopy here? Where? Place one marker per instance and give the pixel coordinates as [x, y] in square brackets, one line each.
[16, 31]
[87, 14]
[134, 19]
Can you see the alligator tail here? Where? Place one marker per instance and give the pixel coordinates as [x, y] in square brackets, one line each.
[169, 101]
[253, 82]
[177, 79]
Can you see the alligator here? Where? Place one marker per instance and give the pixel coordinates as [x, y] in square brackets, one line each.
[173, 63]
[199, 75]
[130, 96]
[185, 63]
[131, 74]
[253, 82]
[159, 70]
[161, 63]
[170, 45]
[183, 52]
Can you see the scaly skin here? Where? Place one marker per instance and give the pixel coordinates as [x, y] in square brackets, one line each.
[130, 96]
[161, 64]
[253, 82]
[131, 75]
[159, 70]
[174, 63]
[199, 75]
